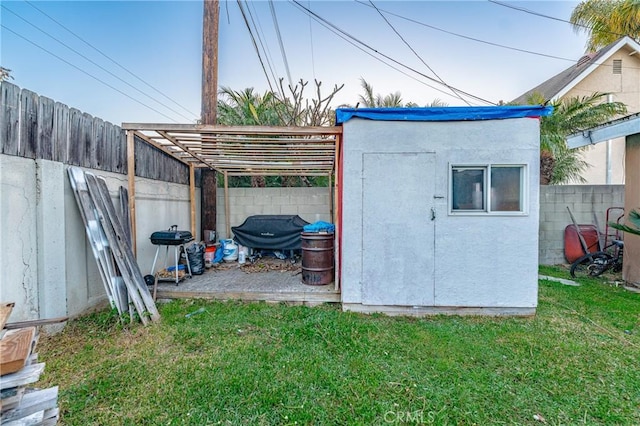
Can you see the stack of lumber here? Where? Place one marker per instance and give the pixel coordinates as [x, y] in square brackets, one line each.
[108, 234]
[20, 402]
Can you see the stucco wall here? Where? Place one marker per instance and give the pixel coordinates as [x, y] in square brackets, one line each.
[625, 88]
[48, 267]
[311, 204]
[480, 260]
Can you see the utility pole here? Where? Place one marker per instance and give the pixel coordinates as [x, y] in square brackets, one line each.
[210, 24]
[209, 108]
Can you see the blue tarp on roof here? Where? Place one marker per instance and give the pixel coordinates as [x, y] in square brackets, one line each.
[443, 113]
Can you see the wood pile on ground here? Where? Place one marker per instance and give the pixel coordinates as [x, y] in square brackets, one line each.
[109, 234]
[20, 402]
[262, 264]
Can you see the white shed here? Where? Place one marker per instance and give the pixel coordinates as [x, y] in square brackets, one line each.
[439, 209]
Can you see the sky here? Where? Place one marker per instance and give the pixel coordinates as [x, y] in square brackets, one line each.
[140, 61]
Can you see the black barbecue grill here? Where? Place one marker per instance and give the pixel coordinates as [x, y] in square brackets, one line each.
[171, 237]
[271, 232]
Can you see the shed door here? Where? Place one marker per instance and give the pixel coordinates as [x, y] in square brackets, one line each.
[398, 230]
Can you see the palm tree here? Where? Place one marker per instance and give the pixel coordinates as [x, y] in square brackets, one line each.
[606, 21]
[634, 218]
[558, 163]
[370, 100]
[247, 108]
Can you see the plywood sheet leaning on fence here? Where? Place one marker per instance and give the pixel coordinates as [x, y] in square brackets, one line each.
[111, 248]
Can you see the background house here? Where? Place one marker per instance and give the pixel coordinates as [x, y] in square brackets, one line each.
[615, 69]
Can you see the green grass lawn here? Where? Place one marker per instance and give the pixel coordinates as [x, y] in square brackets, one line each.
[576, 362]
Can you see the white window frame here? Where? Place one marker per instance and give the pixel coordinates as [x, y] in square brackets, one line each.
[524, 189]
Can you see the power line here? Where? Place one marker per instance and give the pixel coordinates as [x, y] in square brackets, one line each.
[321, 19]
[255, 45]
[313, 62]
[94, 63]
[417, 55]
[86, 73]
[284, 54]
[480, 40]
[110, 59]
[380, 59]
[531, 12]
[265, 48]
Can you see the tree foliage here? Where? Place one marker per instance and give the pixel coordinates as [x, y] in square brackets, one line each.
[634, 219]
[369, 99]
[605, 21]
[5, 74]
[558, 163]
[288, 107]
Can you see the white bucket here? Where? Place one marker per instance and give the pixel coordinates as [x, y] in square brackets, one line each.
[230, 252]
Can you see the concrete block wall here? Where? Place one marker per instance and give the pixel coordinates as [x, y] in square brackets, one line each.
[588, 203]
[311, 204]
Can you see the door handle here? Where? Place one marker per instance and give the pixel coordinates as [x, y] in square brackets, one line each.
[433, 213]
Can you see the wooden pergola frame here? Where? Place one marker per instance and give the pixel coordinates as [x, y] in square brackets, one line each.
[239, 151]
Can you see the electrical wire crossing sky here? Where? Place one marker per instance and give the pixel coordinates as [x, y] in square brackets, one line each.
[140, 61]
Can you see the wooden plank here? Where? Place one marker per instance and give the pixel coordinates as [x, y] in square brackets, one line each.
[28, 124]
[9, 118]
[15, 349]
[124, 214]
[192, 199]
[29, 374]
[99, 153]
[11, 398]
[227, 218]
[236, 130]
[61, 132]
[33, 402]
[117, 141]
[46, 128]
[131, 174]
[169, 292]
[5, 312]
[87, 141]
[131, 264]
[76, 153]
[133, 278]
[35, 323]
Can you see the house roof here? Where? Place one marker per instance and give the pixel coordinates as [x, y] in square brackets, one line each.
[558, 85]
[246, 150]
[442, 113]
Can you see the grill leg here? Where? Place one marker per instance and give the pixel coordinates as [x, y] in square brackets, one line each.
[188, 264]
[175, 252]
[155, 258]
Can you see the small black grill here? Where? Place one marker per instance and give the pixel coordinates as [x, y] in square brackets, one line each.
[171, 237]
[271, 232]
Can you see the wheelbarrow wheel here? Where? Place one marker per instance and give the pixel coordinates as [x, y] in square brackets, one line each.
[591, 265]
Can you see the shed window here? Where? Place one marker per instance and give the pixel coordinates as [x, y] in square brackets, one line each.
[469, 192]
[617, 66]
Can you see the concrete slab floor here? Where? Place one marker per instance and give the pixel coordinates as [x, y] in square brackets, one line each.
[270, 280]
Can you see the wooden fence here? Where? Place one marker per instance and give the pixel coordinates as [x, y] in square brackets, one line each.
[37, 127]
